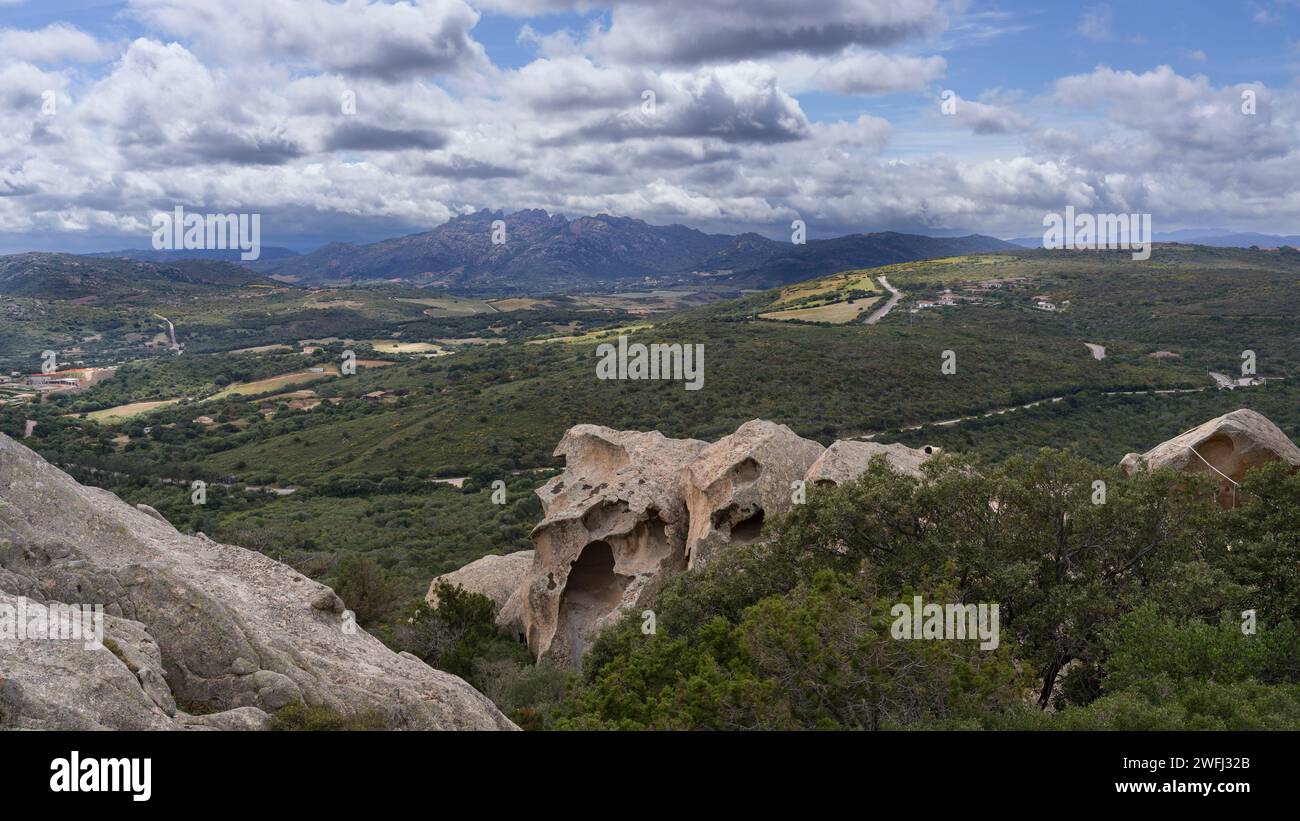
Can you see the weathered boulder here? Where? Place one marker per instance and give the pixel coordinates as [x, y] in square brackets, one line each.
[230, 629]
[614, 523]
[844, 461]
[738, 481]
[118, 684]
[500, 578]
[1225, 448]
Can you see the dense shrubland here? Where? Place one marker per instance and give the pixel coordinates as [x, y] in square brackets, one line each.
[1136, 603]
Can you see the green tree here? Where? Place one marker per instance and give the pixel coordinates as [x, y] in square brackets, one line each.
[367, 589]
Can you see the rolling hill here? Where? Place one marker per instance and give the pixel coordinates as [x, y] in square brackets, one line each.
[69, 277]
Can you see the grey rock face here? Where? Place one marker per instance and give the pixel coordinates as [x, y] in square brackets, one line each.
[209, 628]
[63, 684]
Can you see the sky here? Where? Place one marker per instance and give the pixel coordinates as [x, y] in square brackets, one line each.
[357, 120]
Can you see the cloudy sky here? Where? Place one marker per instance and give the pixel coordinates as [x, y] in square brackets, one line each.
[361, 119]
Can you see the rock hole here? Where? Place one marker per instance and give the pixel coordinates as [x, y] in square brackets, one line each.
[592, 590]
[746, 470]
[748, 529]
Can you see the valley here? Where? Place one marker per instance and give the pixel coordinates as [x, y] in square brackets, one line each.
[427, 458]
[423, 400]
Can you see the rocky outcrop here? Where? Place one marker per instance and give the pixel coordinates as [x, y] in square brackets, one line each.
[1225, 448]
[631, 509]
[198, 634]
[844, 461]
[500, 578]
[739, 481]
[614, 523]
[117, 685]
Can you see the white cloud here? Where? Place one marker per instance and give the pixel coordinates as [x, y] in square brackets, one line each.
[859, 71]
[218, 106]
[56, 43]
[989, 117]
[703, 31]
[361, 37]
[1097, 23]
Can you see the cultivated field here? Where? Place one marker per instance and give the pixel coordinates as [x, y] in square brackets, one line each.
[124, 412]
[836, 313]
[274, 383]
[833, 287]
[393, 346]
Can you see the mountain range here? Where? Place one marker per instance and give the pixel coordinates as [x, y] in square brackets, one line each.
[545, 253]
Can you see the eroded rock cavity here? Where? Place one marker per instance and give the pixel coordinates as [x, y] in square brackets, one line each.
[614, 524]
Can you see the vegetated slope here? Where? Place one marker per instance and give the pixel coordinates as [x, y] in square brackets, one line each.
[488, 412]
[794, 263]
[544, 252]
[68, 276]
[509, 405]
[1131, 622]
[268, 253]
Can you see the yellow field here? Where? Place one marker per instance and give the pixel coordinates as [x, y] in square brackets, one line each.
[327, 304]
[521, 303]
[274, 383]
[836, 313]
[393, 346]
[599, 333]
[832, 286]
[473, 340]
[956, 269]
[123, 412]
[265, 349]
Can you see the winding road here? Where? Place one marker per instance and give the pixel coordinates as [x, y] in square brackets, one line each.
[171, 330]
[881, 312]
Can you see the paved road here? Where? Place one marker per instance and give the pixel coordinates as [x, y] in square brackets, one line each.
[881, 312]
[171, 330]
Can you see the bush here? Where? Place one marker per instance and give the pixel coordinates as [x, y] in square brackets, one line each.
[793, 634]
[460, 635]
[368, 590]
[299, 716]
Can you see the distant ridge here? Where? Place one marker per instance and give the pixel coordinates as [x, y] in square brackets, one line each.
[545, 252]
[70, 276]
[1212, 237]
[150, 255]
